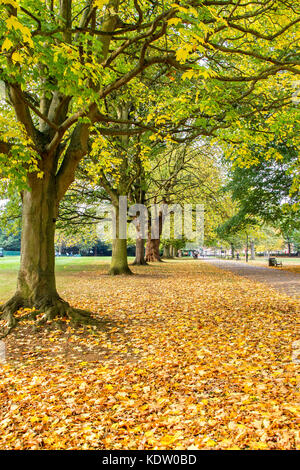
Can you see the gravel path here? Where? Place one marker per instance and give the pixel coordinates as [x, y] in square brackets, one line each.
[286, 282]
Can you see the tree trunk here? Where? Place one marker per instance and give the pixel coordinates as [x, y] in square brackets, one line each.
[167, 252]
[36, 286]
[252, 247]
[119, 262]
[36, 280]
[140, 252]
[247, 249]
[152, 250]
[152, 245]
[232, 251]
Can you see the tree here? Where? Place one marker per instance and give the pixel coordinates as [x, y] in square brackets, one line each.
[270, 239]
[296, 240]
[10, 214]
[190, 174]
[10, 241]
[265, 191]
[59, 64]
[83, 239]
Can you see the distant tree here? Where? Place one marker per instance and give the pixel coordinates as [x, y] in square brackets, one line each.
[265, 190]
[10, 242]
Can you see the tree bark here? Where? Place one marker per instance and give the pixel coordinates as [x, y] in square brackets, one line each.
[152, 250]
[36, 278]
[232, 250]
[247, 248]
[140, 253]
[167, 252]
[252, 248]
[152, 245]
[119, 262]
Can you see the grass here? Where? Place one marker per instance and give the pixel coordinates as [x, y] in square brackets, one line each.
[65, 265]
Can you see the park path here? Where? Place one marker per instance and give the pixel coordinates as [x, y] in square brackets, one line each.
[283, 281]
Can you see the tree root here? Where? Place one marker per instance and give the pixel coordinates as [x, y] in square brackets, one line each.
[51, 308]
[139, 263]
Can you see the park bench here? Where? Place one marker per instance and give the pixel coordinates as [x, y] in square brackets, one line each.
[274, 262]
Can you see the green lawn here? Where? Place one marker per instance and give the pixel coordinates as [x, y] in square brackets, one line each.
[9, 269]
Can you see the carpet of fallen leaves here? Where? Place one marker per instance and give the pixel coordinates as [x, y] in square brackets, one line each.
[187, 357]
[292, 269]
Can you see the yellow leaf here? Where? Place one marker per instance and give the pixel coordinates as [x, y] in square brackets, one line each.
[182, 54]
[16, 57]
[259, 445]
[188, 74]
[211, 443]
[7, 44]
[100, 3]
[174, 21]
[13, 3]
[168, 439]
[34, 419]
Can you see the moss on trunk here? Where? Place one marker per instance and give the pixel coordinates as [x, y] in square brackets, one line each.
[119, 262]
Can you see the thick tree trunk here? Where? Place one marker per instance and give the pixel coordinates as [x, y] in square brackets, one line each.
[140, 252]
[119, 262]
[152, 245]
[152, 250]
[36, 280]
[232, 250]
[36, 286]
